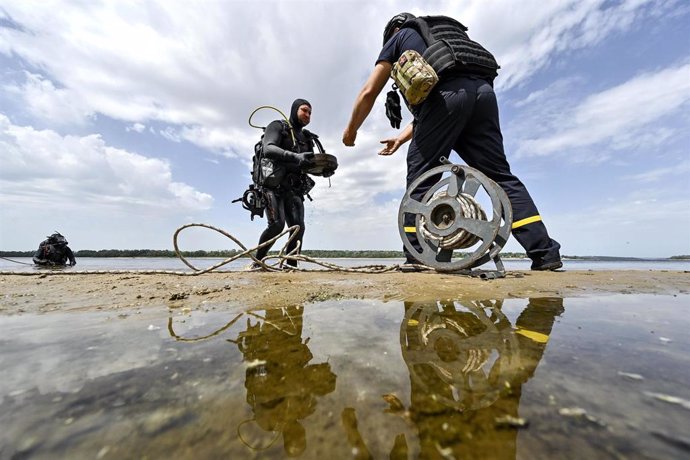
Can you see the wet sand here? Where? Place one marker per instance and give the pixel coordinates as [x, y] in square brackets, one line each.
[85, 292]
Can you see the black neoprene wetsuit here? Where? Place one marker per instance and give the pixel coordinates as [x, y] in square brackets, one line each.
[50, 254]
[285, 203]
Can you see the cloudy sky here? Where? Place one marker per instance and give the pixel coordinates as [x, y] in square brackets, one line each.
[122, 120]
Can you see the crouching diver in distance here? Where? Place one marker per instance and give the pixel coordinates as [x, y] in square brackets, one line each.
[54, 252]
[282, 157]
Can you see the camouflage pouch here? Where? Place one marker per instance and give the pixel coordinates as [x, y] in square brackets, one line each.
[414, 76]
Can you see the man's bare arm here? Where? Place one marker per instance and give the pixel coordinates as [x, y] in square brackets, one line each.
[365, 100]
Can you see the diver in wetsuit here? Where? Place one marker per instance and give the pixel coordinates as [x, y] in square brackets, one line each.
[54, 252]
[291, 150]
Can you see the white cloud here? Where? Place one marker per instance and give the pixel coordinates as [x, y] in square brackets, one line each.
[170, 134]
[136, 127]
[528, 35]
[189, 66]
[361, 225]
[230, 142]
[45, 102]
[43, 167]
[207, 68]
[621, 115]
[680, 170]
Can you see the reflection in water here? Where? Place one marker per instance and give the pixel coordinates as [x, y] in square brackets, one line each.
[456, 379]
[467, 364]
[179, 338]
[281, 384]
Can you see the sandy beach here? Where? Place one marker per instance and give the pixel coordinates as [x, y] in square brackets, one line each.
[83, 292]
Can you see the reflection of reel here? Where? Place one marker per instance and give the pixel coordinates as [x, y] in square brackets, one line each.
[460, 357]
[448, 217]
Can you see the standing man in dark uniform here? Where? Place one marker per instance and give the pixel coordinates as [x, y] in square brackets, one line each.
[460, 113]
[291, 150]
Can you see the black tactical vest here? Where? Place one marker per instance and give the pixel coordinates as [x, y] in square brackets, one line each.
[449, 50]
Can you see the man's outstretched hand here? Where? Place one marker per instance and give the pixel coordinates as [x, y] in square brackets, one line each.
[391, 146]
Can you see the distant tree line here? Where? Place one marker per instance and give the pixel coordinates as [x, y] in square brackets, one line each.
[316, 253]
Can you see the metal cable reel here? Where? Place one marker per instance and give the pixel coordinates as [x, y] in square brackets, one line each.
[450, 217]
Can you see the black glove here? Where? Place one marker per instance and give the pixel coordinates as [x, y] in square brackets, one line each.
[393, 109]
[306, 160]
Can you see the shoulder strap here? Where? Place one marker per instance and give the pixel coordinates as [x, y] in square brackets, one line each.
[423, 25]
[317, 142]
[287, 128]
[309, 134]
[314, 139]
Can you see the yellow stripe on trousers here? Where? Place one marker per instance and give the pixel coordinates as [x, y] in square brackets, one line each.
[410, 229]
[526, 221]
[533, 335]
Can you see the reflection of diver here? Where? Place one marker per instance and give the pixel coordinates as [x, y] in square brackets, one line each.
[467, 365]
[281, 385]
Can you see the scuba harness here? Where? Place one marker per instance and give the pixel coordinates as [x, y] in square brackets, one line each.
[263, 171]
[269, 173]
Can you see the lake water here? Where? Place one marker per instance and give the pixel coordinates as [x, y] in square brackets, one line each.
[596, 377]
[170, 263]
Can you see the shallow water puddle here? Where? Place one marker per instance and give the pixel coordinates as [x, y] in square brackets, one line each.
[529, 378]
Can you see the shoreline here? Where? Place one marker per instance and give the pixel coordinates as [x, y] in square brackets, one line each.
[251, 290]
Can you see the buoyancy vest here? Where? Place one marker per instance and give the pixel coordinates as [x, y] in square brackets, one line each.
[450, 50]
[268, 172]
[272, 173]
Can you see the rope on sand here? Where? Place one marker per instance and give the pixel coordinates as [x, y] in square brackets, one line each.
[15, 261]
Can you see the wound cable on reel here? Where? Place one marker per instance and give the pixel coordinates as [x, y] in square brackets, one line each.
[460, 239]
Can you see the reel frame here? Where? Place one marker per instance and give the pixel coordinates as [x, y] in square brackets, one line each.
[493, 233]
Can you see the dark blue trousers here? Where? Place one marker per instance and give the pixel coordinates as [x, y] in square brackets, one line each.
[461, 114]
